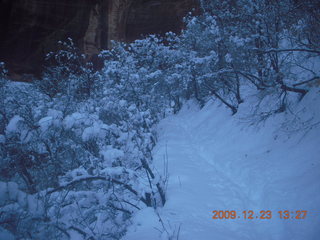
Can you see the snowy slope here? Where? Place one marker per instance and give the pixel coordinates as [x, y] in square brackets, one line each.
[220, 162]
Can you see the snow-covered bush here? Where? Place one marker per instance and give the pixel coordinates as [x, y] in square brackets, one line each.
[68, 72]
[260, 47]
[87, 161]
[142, 74]
[3, 71]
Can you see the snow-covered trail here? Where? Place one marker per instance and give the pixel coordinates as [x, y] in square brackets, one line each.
[196, 185]
[216, 162]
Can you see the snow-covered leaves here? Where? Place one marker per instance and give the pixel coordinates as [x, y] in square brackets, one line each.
[84, 160]
[68, 72]
[3, 71]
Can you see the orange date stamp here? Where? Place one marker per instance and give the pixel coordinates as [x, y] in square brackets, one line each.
[263, 214]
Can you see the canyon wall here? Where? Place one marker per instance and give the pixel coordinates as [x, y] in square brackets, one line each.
[31, 28]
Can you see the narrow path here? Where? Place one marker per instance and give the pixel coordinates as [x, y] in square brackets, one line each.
[217, 163]
[197, 186]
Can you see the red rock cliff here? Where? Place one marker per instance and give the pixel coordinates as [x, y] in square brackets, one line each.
[31, 28]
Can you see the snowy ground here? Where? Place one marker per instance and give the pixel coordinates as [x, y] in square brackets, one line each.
[219, 162]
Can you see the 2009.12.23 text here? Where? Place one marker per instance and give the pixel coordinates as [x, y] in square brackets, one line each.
[263, 214]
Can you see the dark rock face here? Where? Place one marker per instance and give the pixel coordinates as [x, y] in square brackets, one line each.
[156, 16]
[31, 28]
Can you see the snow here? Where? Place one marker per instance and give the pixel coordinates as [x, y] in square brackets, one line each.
[14, 124]
[144, 220]
[122, 103]
[111, 154]
[3, 193]
[2, 138]
[45, 123]
[219, 162]
[113, 171]
[74, 119]
[12, 197]
[55, 114]
[98, 130]
[5, 234]
[13, 190]
[90, 132]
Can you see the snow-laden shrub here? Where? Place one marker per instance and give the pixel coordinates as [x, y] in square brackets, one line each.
[141, 73]
[88, 162]
[3, 71]
[68, 72]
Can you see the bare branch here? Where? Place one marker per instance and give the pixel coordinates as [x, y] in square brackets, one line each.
[292, 89]
[307, 81]
[287, 50]
[125, 185]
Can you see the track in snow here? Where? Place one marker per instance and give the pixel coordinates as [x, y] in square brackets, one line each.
[217, 163]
